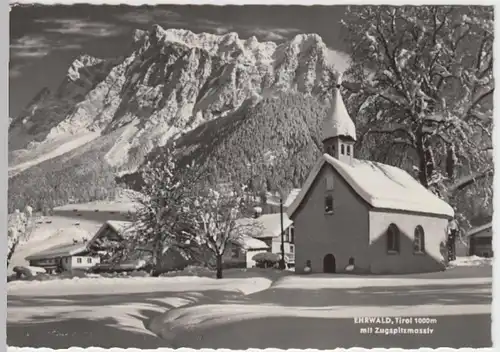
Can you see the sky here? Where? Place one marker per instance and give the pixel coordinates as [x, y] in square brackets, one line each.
[45, 39]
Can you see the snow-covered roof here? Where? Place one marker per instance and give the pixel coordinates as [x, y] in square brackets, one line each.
[478, 229]
[291, 197]
[120, 226]
[122, 229]
[248, 242]
[65, 250]
[338, 122]
[381, 186]
[267, 225]
[101, 206]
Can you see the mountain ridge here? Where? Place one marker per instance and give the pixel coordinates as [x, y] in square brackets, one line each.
[170, 83]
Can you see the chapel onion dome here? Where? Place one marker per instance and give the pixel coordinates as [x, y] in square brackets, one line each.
[337, 122]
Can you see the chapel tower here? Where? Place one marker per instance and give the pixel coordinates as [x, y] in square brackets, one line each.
[338, 132]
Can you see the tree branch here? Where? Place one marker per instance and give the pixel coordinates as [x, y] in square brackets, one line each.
[469, 180]
[477, 100]
[394, 130]
[392, 61]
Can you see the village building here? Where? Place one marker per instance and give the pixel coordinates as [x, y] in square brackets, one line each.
[364, 214]
[480, 241]
[105, 251]
[267, 228]
[241, 250]
[65, 257]
[82, 254]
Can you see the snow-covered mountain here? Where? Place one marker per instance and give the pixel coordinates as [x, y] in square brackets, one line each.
[172, 81]
[109, 115]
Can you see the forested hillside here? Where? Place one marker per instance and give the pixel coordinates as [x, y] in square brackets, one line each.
[273, 142]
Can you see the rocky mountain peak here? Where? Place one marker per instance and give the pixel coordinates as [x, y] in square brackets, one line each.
[81, 62]
[172, 81]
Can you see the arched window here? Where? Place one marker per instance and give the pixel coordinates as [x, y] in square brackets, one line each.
[393, 235]
[419, 240]
[329, 204]
[342, 149]
[348, 148]
[351, 261]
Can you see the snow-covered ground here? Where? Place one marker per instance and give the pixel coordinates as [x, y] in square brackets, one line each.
[472, 260]
[103, 286]
[316, 282]
[175, 306]
[210, 315]
[326, 291]
[123, 299]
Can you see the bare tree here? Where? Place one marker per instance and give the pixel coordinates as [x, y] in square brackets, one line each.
[214, 210]
[20, 227]
[422, 87]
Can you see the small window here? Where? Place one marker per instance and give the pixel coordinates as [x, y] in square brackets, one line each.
[348, 148]
[89, 260]
[351, 261]
[419, 240]
[292, 234]
[235, 253]
[342, 149]
[393, 239]
[292, 248]
[329, 204]
[268, 241]
[329, 182]
[79, 260]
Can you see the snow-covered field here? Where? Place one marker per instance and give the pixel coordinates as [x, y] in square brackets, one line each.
[123, 299]
[211, 315]
[473, 260]
[316, 282]
[174, 306]
[322, 298]
[130, 285]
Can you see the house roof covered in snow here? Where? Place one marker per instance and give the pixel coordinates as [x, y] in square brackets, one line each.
[250, 243]
[381, 186]
[121, 228]
[291, 197]
[64, 250]
[337, 122]
[100, 206]
[478, 229]
[265, 226]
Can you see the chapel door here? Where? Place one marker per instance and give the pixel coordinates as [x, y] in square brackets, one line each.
[329, 263]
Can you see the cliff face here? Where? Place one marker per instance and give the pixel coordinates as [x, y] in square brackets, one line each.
[172, 81]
